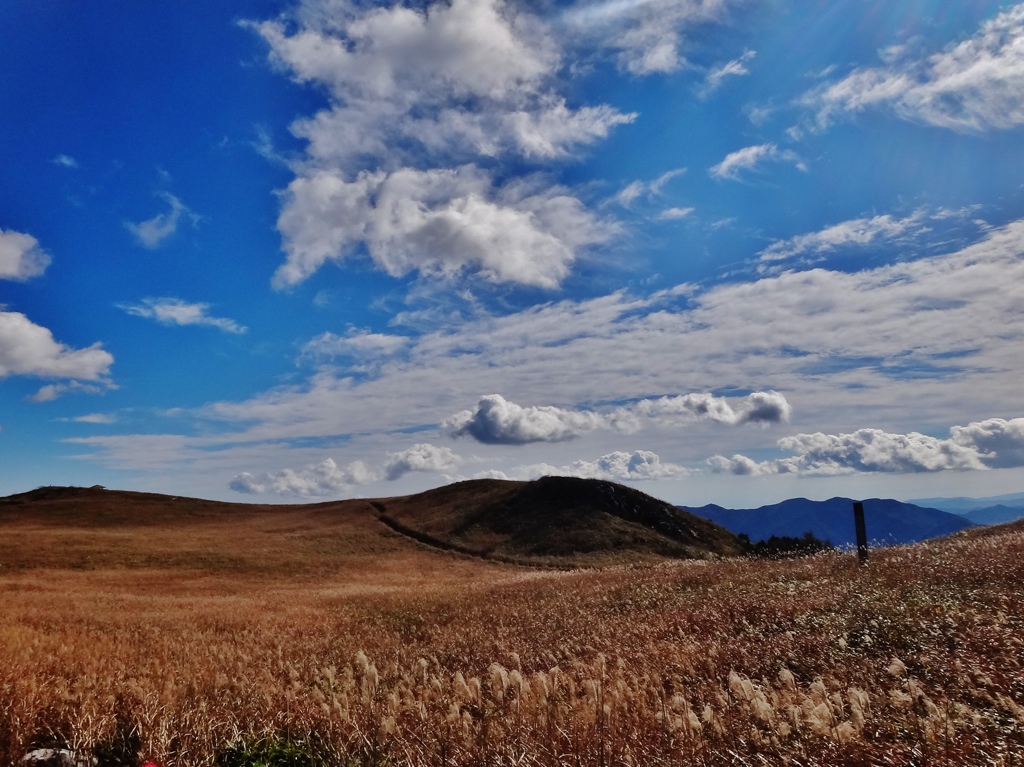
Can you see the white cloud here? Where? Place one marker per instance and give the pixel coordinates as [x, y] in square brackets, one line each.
[50, 392]
[975, 85]
[636, 189]
[858, 231]
[439, 222]
[100, 418]
[647, 33]
[418, 96]
[421, 457]
[355, 343]
[65, 160]
[152, 232]
[994, 443]
[763, 408]
[999, 442]
[617, 466]
[942, 332]
[749, 158]
[316, 480]
[496, 421]
[674, 214]
[734, 68]
[21, 258]
[805, 331]
[174, 311]
[29, 349]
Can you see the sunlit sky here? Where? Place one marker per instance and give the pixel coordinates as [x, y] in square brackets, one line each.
[726, 251]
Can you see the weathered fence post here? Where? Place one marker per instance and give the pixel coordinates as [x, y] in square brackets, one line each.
[862, 533]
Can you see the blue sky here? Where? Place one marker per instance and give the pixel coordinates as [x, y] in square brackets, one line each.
[727, 251]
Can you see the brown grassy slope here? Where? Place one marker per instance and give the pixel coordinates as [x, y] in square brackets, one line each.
[554, 521]
[558, 519]
[411, 657]
[93, 528]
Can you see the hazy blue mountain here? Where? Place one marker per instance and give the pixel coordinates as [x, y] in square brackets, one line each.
[960, 504]
[887, 521]
[994, 515]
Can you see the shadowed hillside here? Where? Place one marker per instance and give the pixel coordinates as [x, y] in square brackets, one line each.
[556, 519]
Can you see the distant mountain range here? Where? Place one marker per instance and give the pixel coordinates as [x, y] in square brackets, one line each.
[993, 510]
[888, 521]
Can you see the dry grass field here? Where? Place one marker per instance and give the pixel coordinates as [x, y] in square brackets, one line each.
[138, 627]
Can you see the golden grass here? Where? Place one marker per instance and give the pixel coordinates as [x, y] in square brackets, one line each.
[321, 625]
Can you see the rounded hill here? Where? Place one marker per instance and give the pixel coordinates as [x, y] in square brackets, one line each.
[555, 520]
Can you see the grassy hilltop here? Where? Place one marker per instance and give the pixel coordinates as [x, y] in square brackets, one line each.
[137, 626]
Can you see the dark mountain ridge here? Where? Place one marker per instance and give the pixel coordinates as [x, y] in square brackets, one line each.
[888, 521]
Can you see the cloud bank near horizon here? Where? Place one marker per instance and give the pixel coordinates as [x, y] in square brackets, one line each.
[995, 443]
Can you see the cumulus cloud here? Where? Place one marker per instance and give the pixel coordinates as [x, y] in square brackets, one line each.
[440, 222]
[999, 442]
[174, 311]
[858, 231]
[30, 349]
[995, 443]
[418, 96]
[152, 232]
[421, 457]
[734, 68]
[497, 421]
[750, 158]
[21, 258]
[975, 85]
[315, 480]
[618, 466]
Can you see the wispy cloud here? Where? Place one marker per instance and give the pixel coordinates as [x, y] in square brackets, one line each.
[637, 189]
[674, 214]
[858, 231]
[646, 33]
[940, 331]
[975, 85]
[174, 311]
[152, 232]
[97, 418]
[21, 258]
[65, 160]
[734, 68]
[751, 158]
[355, 343]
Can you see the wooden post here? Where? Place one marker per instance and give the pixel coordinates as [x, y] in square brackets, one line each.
[862, 533]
